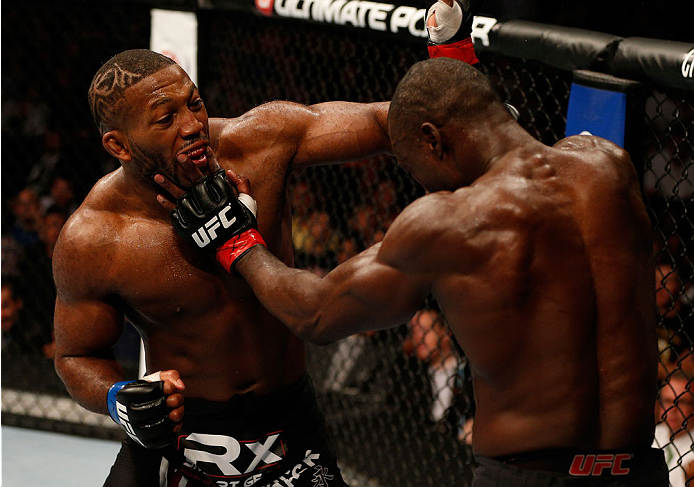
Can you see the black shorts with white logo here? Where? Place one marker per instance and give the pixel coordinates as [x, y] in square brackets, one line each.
[641, 468]
[276, 440]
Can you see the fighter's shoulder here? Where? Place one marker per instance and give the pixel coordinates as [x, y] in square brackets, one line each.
[422, 211]
[427, 227]
[591, 142]
[86, 240]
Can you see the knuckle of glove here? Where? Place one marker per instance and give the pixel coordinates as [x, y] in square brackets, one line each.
[217, 216]
[206, 193]
[220, 184]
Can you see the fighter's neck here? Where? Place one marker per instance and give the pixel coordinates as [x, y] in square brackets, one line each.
[140, 193]
[503, 141]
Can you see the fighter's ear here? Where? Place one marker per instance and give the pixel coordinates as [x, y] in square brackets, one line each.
[116, 144]
[432, 137]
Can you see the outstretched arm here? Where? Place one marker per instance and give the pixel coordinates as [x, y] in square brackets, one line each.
[362, 294]
[370, 291]
[296, 136]
[339, 131]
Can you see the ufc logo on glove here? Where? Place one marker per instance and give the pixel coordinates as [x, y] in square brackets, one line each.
[211, 216]
[208, 232]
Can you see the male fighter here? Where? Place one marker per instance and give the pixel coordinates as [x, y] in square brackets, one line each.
[539, 257]
[250, 413]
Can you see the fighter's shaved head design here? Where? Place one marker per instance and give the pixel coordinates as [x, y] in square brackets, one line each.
[117, 75]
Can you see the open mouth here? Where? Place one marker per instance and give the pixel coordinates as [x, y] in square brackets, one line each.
[198, 156]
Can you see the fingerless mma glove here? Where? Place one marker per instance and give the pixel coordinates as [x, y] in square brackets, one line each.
[140, 408]
[451, 38]
[210, 217]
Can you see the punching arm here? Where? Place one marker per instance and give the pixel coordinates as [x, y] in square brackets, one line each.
[362, 294]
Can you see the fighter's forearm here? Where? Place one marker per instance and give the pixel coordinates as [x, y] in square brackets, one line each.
[303, 301]
[88, 379]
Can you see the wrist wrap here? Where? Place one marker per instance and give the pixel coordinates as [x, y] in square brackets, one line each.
[111, 399]
[236, 247]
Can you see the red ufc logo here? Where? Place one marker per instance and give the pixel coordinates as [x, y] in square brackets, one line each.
[595, 465]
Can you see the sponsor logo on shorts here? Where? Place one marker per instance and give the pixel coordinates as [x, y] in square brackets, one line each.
[307, 470]
[597, 465]
[227, 458]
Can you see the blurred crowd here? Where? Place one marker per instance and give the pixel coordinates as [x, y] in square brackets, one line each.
[52, 156]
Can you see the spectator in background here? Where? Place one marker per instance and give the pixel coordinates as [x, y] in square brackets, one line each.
[19, 335]
[430, 341]
[351, 365]
[36, 266]
[673, 299]
[27, 214]
[315, 238]
[364, 225]
[11, 254]
[44, 170]
[674, 433]
[61, 196]
[668, 287]
[51, 224]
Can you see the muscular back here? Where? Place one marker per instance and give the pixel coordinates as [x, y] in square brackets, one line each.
[544, 273]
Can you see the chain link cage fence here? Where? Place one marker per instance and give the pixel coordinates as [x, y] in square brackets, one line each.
[398, 402]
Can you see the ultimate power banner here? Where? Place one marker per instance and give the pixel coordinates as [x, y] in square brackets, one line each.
[407, 20]
[663, 62]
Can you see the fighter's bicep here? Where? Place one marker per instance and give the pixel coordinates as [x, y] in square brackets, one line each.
[337, 132]
[85, 321]
[86, 327]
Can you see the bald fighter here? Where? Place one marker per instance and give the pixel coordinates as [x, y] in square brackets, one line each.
[250, 414]
[540, 259]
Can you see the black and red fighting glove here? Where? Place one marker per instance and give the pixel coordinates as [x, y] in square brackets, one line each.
[210, 217]
[451, 35]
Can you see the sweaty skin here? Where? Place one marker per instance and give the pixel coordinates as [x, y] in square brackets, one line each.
[540, 259]
[118, 256]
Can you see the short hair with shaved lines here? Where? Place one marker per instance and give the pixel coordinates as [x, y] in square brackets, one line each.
[438, 90]
[106, 93]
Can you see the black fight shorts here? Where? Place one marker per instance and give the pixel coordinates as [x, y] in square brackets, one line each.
[277, 440]
[643, 468]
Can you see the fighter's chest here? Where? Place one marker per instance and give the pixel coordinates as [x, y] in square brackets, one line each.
[156, 273]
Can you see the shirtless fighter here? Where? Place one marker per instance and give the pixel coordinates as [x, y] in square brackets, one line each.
[250, 413]
[540, 259]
